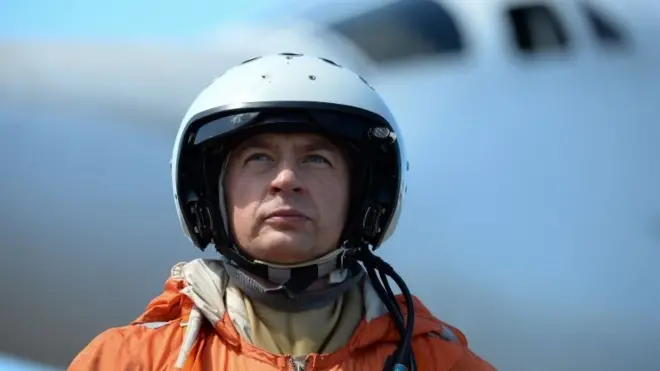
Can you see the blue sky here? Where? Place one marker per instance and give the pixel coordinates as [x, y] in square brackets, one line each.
[118, 18]
[11, 363]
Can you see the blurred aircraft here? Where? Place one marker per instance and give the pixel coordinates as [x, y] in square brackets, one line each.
[531, 221]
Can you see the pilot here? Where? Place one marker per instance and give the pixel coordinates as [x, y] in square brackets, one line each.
[294, 169]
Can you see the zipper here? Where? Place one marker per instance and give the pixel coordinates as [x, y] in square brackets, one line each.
[298, 363]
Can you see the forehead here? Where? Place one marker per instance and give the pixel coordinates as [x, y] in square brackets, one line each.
[303, 141]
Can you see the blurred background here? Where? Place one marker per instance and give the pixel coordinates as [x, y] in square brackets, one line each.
[532, 221]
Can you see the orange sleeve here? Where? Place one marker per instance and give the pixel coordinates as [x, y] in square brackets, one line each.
[433, 353]
[106, 352]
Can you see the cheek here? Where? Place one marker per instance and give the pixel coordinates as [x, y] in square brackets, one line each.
[242, 189]
[334, 197]
[240, 219]
[240, 205]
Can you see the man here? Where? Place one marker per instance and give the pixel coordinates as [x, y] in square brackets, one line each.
[294, 168]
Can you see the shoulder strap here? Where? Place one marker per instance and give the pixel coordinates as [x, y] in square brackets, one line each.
[446, 333]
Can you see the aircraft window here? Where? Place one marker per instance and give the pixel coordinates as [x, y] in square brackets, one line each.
[602, 27]
[402, 30]
[537, 28]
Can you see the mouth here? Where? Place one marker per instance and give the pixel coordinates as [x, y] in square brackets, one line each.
[286, 214]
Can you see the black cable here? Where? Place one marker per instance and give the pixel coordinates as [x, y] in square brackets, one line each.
[390, 292]
[399, 315]
[403, 354]
[390, 304]
[406, 343]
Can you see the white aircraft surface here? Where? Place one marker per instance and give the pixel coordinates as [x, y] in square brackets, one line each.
[533, 214]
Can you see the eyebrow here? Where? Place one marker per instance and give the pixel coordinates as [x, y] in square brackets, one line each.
[318, 143]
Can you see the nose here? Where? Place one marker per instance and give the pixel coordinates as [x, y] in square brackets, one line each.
[286, 180]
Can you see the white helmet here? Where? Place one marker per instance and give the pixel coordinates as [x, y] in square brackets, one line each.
[296, 93]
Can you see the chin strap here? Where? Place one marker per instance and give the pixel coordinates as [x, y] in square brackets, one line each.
[282, 297]
[314, 269]
[296, 278]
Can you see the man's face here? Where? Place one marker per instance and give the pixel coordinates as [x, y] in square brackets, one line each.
[287, 196]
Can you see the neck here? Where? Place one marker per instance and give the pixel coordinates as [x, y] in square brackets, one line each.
[320, 330]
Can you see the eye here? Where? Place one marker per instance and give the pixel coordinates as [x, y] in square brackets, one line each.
[257, 157]
[317, 159]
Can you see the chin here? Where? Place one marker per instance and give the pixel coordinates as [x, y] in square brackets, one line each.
[285, 247]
